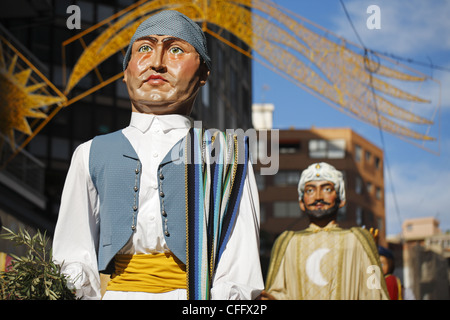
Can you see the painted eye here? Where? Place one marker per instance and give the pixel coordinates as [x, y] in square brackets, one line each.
[176, 50]
[144, 48]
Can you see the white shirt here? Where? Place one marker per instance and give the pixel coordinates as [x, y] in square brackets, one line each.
[75, 243]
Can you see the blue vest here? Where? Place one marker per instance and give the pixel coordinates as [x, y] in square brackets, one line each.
[115, 170]
[200, 185]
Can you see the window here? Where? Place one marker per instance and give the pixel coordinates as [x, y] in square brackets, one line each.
[220, 61]
[336, 149]
[358, 153]
[317, 148]
[286, 209]
[260, 182]
[380, 224]
[233, 85]
[104, 12]
[122, 90]
[287, 178]
[369, 187]
[378, 193]
[61, 7]
[377, 163]
[359, 216]
[60, 148]
[262, 212]
[368, 156]
[331, 149]
[369, 218]
[358, 185]
[342, 214]
[87, 10]
[289, 146]
[38, 146]
[205, 95]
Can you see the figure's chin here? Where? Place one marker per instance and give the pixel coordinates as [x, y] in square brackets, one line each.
[161, 108]
[320, 214]
[154, 98]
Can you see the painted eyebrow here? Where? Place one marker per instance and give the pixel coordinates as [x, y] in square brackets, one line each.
[153, 39]
[328, 184]
[319, 186]
[172, 39]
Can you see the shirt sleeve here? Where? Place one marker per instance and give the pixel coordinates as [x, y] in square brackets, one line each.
[238, 275]
[75, 241]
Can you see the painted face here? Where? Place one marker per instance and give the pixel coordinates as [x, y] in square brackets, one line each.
[163, 75]
[320, 199]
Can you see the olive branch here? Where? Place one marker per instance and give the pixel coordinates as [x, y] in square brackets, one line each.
[33, 276]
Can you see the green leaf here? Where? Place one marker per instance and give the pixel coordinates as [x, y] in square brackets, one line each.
[35, 275]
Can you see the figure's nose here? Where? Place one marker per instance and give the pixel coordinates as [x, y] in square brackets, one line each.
[318, 195]
[157, 59]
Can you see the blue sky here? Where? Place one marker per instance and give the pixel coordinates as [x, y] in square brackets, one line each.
[417, 181]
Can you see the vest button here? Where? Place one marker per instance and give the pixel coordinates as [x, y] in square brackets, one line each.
[164, 213]
[135, 188]
[166, 233]
[161, 176]
[135, 208]
[133, 227]
[161, 194]
[136, 170]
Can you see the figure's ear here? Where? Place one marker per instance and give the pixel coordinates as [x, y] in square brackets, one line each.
[124, 79]
[302, 205]
[204, 74]
[342, 203]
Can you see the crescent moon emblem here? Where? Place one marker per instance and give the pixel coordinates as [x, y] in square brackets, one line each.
[313, 266]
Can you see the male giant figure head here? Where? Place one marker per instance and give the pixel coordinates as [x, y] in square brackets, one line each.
[321, 192]
[165, 65]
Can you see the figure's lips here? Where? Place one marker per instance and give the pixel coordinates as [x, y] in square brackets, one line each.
[155, 78]
[317, 206]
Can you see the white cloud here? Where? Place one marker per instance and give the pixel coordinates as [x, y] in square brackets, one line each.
[406, 26]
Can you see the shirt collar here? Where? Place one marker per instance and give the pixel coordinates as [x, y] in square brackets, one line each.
[143, 122]
[315, 228]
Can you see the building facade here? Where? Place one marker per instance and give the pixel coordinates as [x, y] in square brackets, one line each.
[423, 264]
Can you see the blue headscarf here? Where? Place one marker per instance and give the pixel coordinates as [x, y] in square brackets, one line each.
[175, 24]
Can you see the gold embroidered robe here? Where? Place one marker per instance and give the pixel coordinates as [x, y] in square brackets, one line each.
[327, 263]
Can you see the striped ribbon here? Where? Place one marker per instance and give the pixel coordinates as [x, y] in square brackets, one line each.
[216, 166]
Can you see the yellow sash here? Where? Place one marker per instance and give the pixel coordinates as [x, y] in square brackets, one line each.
[155, 273]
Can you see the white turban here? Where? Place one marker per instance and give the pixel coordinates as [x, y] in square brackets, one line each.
[322, 172]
